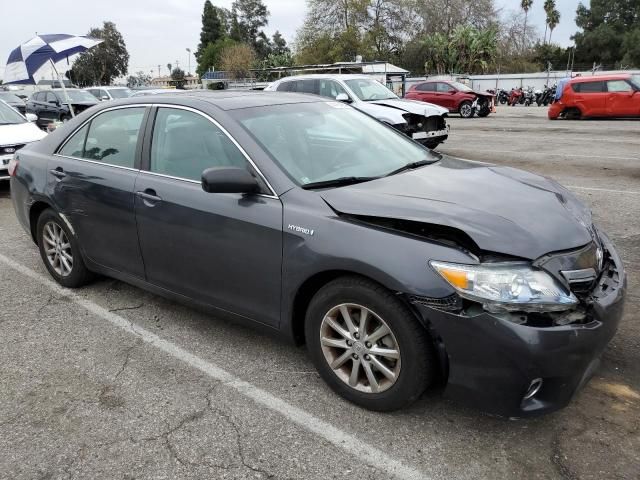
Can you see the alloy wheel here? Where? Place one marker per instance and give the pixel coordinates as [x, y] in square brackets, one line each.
[57, 248]
[360, 348]
[465, 110]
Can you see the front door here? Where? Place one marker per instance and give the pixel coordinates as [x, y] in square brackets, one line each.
[91, 180]
[224, 250]
[622, 99]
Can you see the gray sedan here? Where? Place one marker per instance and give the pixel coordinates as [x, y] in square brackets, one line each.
[400, 269]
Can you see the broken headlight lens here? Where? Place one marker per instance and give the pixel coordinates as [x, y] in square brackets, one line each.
[507, 286]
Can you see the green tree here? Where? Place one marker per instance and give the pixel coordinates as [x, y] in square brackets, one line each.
[178, 77]
[553, 19]
[211, 55]
[526, 6]
[104, 62]
[608, 29]
[169, 68]
[248, 18]
[549, 6]
[140, 79]
[213, 28]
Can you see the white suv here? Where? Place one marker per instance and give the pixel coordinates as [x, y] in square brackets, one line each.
[424, 122]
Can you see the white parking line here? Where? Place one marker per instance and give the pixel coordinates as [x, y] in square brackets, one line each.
[631, 192]
[355, 447]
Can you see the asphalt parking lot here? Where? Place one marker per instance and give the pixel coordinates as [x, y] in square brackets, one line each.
[112, 382]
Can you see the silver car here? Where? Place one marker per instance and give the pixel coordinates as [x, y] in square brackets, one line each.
[424, 122]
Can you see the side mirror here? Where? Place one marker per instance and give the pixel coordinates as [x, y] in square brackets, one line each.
[104, 97]
[31, 117]
[229, 180]
[343, 97]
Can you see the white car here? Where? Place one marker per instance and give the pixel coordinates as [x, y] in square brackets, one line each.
[104, 94]
[424, 122]
[15, 132]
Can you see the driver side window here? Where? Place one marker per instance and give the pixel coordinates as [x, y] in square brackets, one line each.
[444, 88]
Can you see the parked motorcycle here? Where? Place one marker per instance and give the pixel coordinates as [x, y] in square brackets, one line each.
[516, 96]
[502, 97]
[528, 97]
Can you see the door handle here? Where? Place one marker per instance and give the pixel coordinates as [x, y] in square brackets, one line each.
[58, 173]
[149, 197]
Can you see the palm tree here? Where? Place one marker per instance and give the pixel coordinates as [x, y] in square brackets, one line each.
[169, 68]
[549, 6]
[526, 5]
[553, 20]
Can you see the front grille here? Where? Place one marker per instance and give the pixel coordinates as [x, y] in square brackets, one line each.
[10, 149]
[451, 303]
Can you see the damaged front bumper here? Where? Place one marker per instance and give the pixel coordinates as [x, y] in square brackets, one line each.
[429, 131]
[514, 366]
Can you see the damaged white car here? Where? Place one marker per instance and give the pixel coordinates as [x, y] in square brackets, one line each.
[424, 122]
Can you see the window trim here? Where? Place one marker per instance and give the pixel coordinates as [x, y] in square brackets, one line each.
[147, 127]
[136, 160]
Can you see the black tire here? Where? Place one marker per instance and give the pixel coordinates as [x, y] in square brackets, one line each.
[572, 114]
[78, 275]
[466, 109]
[417, 355]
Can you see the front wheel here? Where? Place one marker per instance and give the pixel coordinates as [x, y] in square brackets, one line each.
[367, 345]
[466, 109]
[60, 251]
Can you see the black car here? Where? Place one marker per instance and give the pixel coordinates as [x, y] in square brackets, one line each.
[14, 101]
[399, 268]
[51, 105]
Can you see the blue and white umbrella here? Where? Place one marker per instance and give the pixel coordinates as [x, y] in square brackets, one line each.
[29, 57]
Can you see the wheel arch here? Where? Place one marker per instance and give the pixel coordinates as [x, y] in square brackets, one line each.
[35, 211]
[307, 289]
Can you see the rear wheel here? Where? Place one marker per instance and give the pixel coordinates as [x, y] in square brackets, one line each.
[60, 251]
[466, 109]
[367, 345]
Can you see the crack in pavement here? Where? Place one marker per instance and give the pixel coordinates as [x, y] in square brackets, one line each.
[127, 358]
[229, 418]
[121, 309]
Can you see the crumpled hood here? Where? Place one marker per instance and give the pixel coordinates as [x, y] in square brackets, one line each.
[502, 209]
[412, 106]
[21, 133]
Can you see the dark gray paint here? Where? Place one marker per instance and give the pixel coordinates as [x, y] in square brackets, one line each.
[236, 253]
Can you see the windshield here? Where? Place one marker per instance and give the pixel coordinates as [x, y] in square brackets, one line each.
[635, 79]
[10, 97]
[325, 141]
[9, 116]
[369, 90]
[461, 87]
[120, 92]
[76, 96]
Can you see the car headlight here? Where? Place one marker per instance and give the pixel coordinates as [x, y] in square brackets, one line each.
[507, 286]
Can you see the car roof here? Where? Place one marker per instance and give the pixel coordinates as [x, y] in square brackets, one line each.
[228, 99]
[592, 78]
[333, 76]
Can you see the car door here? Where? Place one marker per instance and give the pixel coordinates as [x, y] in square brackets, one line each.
[622, 99]
[223, 250]
[591, 97]
[425, 92]
[446, 95]
[91, 180]
[330, 89]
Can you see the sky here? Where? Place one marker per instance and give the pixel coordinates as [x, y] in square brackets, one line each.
[158, 32]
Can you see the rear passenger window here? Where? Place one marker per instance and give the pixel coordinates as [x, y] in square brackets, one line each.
[75, 145]
[185, 144]
[618, 86]
[426, 87]
[113, 137]
[285, 87]
[589, 87]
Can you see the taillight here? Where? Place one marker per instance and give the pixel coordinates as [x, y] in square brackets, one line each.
[13, 167]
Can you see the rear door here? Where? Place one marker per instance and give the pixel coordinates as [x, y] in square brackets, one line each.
[91, 179]
[423, 92]
[591, 97]
[622, 99]
[224, 250]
